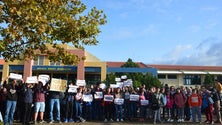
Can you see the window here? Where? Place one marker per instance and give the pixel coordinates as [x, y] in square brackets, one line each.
[39, 60]
[192, 80]
[171, 76]
[161, 76]
[55, 63]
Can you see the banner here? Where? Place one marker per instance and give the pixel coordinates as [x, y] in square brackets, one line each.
[58, 85]
[108, 98]
[32, 79]
[15, 76]
[87, 98]
[144, 102]
[72, 89]
[134, 97]
[118, 101]
[98, 95]
[44, 79]
[80, 82]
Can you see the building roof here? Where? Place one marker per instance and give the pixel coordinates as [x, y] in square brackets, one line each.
[119, 64]
[186, 67]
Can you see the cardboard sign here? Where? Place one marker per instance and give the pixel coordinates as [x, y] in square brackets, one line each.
[98, 95]
[80, 82]
[87, 98]
[15, 76]
[134, 97]
[118, 101]
[72, 89]
[32, 79]
[108, 98]
[44, 79]
[144, 102]
[58, 85]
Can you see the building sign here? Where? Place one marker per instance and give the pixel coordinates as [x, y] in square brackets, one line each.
[55, 68]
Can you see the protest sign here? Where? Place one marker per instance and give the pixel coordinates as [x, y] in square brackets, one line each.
[72, 89]
[114, 86]
[32, 79]
[128, 82]
[44, 79]
[118, 101]
[108, 98]
[87, 97]
[119, 84]
[144, 102]
[15, 76]
[102, 85]
[123, 77]
[58, 85]
[134, 97]
[117, 79]
[98, 95]
[80, 82]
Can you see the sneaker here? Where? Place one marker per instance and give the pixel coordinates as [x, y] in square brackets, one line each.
[111, 120]
[42, 121]
[71, 120]
[105, 120]
[121, 120]
[168, 120]
[117, 120]
[179, 120]
[212, 122]
[50, 122]
[34, 122]
[171, 120]
[182, 120]
[154, 122]
[66, 120]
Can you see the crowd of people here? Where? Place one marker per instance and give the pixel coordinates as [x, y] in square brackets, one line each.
[34, 103]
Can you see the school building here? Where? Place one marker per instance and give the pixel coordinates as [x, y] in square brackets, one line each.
[93, 69]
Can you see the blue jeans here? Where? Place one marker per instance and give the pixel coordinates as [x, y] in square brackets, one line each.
[196, 111]
[143, 111]
[54, 102]
[78, 109]
[9, 113]
[118, 111]
[133, 109]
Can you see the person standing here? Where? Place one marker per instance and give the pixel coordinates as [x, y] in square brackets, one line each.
[195, 102]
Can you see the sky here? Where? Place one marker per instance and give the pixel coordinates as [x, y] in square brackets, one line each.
[175, 32]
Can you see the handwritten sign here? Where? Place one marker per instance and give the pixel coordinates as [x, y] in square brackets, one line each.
[32, 79]
[72, 89]
[15, 76]
[118, 101]
[102, 85]
[98, 95]
[44, 79]
[134, 97]
[119, 84]
[144, 102]
[114, 86]
[108, 98]
[58, 85]
[87, 97]
[123, 77]
[80, 82]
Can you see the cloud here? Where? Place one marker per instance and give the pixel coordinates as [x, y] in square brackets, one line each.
[207, 53]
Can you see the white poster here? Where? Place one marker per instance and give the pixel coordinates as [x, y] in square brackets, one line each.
[15, 76]
[128, 82]
[123, 77]
[102, 85]
[118, 101]
[72, 89]
[58, 85]
[80, 82]
[98, 95]
[32, 79]
[114, 86]
[117, 79]
[144, 102]
[134, 97]
[87, 98]
[44, 79]
[108, 98]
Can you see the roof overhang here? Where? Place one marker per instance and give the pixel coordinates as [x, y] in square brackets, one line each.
[215, 73]
[169, 72]
[194, 72]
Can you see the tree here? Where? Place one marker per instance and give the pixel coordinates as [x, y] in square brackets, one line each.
[208, 80]
[28, 25]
